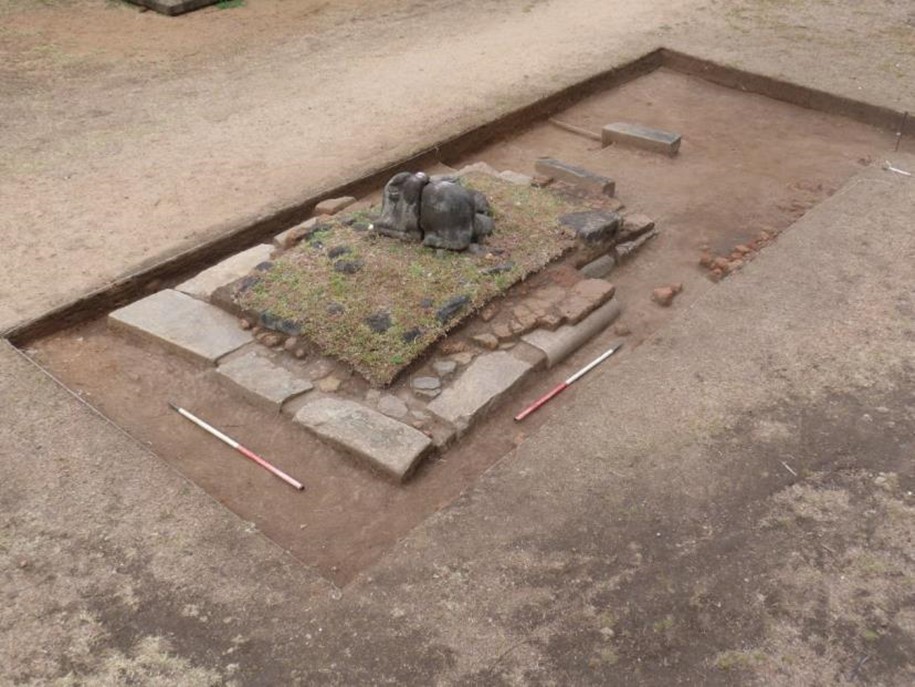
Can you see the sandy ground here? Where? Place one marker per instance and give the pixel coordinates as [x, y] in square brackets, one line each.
[126, 136]
[733, 505]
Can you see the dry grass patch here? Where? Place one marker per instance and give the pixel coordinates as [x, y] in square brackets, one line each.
[377, 303]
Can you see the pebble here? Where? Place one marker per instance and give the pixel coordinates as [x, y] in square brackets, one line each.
[245, 324]
[426, 386]
[488, 313]
[462, 358]
[488, 341]
[444, 367]
[452, 346]
[291, 343]
[329, 384]
[392, 407]
[664, 295]
[271, 340]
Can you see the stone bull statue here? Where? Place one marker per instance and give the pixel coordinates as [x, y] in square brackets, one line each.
[440, 213]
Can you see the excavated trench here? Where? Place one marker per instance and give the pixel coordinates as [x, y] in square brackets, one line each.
[750, 164]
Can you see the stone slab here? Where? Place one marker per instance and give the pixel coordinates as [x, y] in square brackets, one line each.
[560, 344]
[599, 268]
[173, 7]
[486, 379]
[262, 381]
[481, 167]
[290, 237]
[578, 176]
[625, 251]
[389, 445]
[185, 325]
[239, 265]
[332, 206]
[516, 178]
[641, 137]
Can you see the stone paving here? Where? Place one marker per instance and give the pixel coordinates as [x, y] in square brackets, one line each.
[479, 387]
[263, 381]
[391, 446]
[183, 324]
[204, 284]
[464, 377]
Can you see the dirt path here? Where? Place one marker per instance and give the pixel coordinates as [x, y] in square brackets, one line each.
[126, 136]
[118, 163]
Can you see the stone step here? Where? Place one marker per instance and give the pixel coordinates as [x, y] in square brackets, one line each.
[239, 265]
[578, 176]
[389, 445]
[261, 380]
[641, 137]
[183, 324]
[560, 344]
[486, 379]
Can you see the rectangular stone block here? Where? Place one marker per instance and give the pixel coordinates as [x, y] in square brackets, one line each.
[173, 7]
[239, 265]
[641, 137]
[262, 381]
[185, 325]
[579, 176]
[332, 206]
[599, 268]
[389, 445]
[486, 379]
[560, 344]
[293, 235]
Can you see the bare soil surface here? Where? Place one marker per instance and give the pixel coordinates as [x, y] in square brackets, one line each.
[747, 164]
[129, 136]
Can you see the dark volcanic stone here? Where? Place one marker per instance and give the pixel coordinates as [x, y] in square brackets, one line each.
[451, 308]
[264, 266]
[337, 251]
[379, 322]
[335, 309]
[348, 266]
[412, 335]
[499, 269]
[278, 324]
[593, 226]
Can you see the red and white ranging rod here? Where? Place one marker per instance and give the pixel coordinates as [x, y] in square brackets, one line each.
[247, 453]
[566, 384]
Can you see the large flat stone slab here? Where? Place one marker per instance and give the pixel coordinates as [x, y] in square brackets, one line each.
[578, 176]
[561, 343]
[479, 387]
[389, 445]
[262, 381]
[185, 325]
[641, 137]
[229, 270]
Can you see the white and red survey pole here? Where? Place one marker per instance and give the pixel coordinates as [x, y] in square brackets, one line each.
[562, 386]
[247, 453]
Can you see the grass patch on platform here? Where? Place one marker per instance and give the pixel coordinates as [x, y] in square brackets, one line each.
[405, 285]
